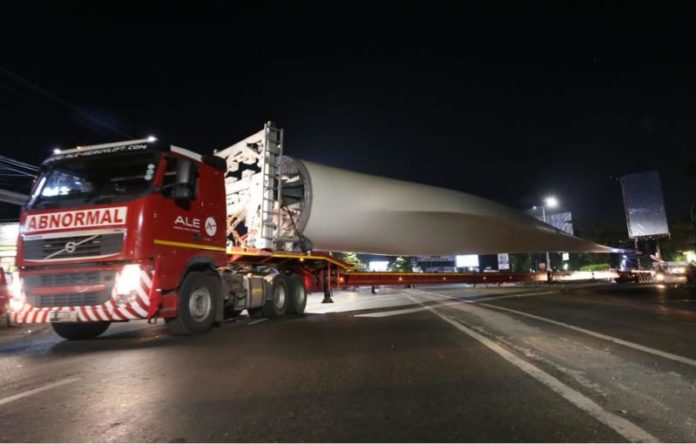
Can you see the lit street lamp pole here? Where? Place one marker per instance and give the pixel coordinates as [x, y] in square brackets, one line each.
[550, 202]
[548, 257]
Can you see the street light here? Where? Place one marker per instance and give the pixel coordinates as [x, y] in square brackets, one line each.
[551, 201]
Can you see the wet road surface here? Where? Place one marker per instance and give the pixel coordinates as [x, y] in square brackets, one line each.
[455, 363]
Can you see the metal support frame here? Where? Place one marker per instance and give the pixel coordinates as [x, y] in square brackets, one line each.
[327, 285]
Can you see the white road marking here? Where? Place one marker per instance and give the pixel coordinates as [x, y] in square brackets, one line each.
[257, 321]
[511, 296]
[384, 314]
[43, 388]
[629, 344]
[633, 345]
[387, 313]
[620, 425]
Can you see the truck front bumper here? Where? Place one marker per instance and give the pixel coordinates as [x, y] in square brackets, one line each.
[83, 295]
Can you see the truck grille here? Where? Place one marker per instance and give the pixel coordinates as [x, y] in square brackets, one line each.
[73, 246]
[103, 277]
[67, 300]
[64, 280]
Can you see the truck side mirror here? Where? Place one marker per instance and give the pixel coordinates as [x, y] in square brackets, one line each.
[182, 192]
[183, 189]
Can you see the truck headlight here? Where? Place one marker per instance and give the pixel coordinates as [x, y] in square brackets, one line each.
[128, 280]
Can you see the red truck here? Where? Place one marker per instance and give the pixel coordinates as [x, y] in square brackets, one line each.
[138, 230]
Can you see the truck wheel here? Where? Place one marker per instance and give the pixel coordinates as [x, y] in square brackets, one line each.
[278, 304]
[198, 296]
[77, 331]
[298, 295]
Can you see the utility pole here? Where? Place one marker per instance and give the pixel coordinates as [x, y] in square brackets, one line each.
[548, 256]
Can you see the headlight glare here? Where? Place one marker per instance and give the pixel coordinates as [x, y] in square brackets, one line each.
[17, 296]
[128, 279]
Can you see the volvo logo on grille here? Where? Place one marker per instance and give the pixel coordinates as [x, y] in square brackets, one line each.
[46, 247]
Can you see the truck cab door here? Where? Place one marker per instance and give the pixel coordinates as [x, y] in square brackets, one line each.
[183, 206]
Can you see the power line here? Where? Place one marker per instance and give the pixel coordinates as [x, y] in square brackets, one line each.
[14, 168]
[17, 163]
[11, 197]
[17, 79]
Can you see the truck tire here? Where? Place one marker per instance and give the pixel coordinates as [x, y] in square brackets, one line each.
[78, 331]
[298, 295]
[277, 305]
[198, 297]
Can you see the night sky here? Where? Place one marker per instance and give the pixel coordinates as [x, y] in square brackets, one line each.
[499, 100]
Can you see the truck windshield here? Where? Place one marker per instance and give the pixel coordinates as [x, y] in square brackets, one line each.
[94, 180]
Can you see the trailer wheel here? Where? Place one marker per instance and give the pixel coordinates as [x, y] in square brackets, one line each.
[298, 295]
[78, 331]
[278, 304]
[198, 296]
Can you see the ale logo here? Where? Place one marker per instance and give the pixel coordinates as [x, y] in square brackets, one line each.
[210, 226]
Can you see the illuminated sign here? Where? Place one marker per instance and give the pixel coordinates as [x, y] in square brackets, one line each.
[378, 266]
[503, 261]
[467, 261]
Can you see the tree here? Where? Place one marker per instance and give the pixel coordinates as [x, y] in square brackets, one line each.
[352, 258]
[402, 264]
[681, 239]
[521, 262]
[612, 234]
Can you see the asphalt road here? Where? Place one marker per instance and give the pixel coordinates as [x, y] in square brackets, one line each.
[573, 363]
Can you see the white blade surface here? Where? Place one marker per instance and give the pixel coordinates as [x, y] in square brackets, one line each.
[370, 214]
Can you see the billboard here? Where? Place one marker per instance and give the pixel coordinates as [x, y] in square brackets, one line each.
[562, 221]
[644, 205]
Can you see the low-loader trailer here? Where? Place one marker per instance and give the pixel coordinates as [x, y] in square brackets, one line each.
[142, 229]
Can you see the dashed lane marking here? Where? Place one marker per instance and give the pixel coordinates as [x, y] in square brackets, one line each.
[43, 388]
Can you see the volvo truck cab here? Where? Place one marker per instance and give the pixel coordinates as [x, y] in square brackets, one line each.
[110, 231]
